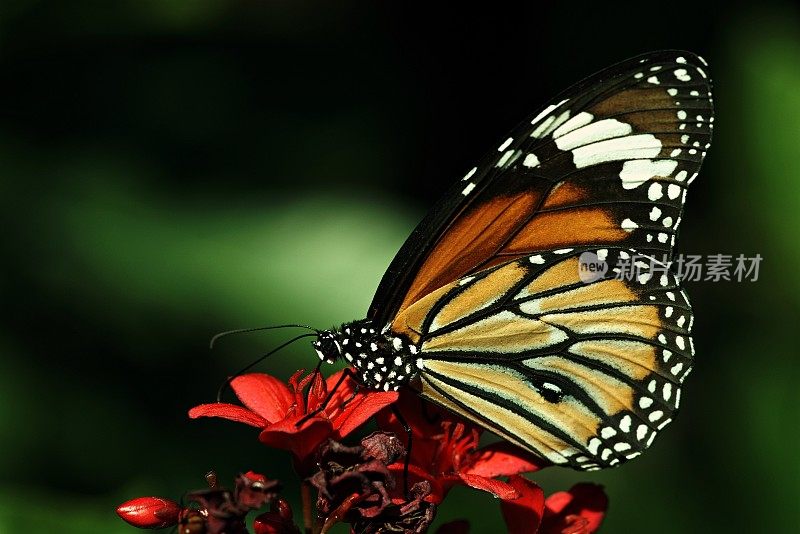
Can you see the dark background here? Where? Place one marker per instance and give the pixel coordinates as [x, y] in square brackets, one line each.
[173, 169]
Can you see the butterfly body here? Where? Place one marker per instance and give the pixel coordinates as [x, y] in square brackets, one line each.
[487, 309]
[379, 361]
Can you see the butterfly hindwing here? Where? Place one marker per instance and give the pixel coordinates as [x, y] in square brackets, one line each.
[582, 372]
[606, 163]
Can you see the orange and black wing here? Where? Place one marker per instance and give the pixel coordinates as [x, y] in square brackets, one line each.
[608, 162]
[581, 371]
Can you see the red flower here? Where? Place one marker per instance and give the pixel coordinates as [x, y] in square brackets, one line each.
[445, 452]
[279, 520]
[577, 511]
[277, 408]
[215, 510]
[523, 515]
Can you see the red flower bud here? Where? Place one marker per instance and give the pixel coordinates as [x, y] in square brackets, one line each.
[283, 509]
[256, 477]
[277, 521]
[150, 512]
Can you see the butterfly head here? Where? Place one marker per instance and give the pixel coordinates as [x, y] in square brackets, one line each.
[327, 346]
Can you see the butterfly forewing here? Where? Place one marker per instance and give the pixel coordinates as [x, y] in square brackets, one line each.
[606, 163]
[489, 293]
[583, 373]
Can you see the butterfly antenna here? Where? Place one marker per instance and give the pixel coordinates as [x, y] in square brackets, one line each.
[227, 383]
[256, 329]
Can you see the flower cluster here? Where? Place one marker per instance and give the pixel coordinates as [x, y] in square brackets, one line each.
[387, 481]
[212, 510]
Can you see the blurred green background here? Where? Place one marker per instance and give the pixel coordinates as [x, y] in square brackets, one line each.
[173, 169]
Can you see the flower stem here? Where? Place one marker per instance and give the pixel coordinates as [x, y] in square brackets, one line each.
[338, 514]
[309, 524]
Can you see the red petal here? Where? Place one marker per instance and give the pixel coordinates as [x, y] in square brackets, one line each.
[318, 391]
[273, 523]
[301, 441]
[432, 429]
[264, 394]
[356, 412]
[524, 514]
[228, 411]
[298, 382]
[496, 487]
[424, 418]
[341, 393]
[415, 474]
[587, 501]
[502, 459]
[150, 512]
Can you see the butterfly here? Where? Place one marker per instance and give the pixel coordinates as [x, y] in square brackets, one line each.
[485, 311]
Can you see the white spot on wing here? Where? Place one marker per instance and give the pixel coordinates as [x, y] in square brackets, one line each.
[682, 75]
[655, 416]
[591, 133]
[467, 190]
[655, 191]
[655, 213]
[530, 161]
[636, 172]
[545, 111]
[505, 144]
[625, 424]
[507, 159]
[581, 119]
[550, 124]
[629, 147]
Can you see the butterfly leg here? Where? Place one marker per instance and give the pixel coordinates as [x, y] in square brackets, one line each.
[353, 396]
[409, 442]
